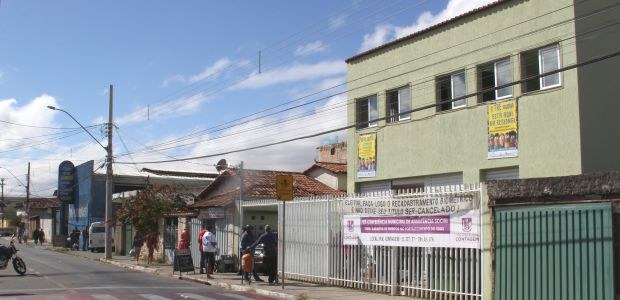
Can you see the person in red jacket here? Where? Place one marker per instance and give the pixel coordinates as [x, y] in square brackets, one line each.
[203, 255]
[184, 242]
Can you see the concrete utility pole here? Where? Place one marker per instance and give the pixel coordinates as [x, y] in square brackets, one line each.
[2, 205]
[109, 181]
[28, 198]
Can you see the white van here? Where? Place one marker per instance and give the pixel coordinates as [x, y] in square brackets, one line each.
[96, 237]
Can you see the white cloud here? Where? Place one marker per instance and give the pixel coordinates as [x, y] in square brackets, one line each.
[310, 48]
[296, 72]
[211, 71]
[1, 74]
[171, 79]
[386, 32]
[337, 21]
[178, 107]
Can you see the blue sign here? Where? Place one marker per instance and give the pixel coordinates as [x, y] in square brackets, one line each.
[66, 176]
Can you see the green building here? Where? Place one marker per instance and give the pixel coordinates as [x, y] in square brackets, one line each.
[464, 101]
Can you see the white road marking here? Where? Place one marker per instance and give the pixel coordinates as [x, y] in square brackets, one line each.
[104, 297]
[153, 297]
[195, 296]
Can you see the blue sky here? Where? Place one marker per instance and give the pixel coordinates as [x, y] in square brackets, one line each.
[186, 78]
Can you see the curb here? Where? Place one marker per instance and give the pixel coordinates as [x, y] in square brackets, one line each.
[224, 285]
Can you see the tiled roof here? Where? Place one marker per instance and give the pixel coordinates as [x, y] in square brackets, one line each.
[338, 168]
[423, 31]
[38, 203]
[259, 184]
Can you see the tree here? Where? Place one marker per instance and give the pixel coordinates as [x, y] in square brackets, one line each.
[144, 209]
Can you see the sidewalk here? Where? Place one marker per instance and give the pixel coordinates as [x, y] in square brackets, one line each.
[292, 289]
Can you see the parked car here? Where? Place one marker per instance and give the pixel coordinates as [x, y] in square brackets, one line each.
[96, 237]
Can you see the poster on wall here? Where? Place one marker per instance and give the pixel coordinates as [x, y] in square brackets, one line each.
[367, 155]
[436, 221]
[502, 129]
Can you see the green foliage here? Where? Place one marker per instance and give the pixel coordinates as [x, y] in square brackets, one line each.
[148, 206]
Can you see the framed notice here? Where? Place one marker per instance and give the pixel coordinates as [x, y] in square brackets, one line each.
[503, 133]
[367, 155]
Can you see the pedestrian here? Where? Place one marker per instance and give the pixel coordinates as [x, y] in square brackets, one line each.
[247, 238]
[35, 235]
[21, 228]
[85, 239]
[75, 239]
[151, 245]
[41, 236]
[209, 247]
[184, 241]
[203, 255]
[270, 258]
[247, 264]
[138, 242]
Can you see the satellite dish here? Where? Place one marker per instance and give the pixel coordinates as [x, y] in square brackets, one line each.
[221, 165]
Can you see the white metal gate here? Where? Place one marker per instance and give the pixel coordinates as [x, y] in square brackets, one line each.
[314, 252]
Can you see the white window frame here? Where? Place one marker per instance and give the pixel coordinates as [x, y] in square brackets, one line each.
[369, 100]
[454, 103]
[399, 93]
[497, 96]
[541, 67]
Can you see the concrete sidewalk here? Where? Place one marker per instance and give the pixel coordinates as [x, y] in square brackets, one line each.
[292, 289]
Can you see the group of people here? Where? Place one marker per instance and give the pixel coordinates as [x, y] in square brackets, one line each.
[248, 245]
[38, 235]
[74, 237]
[151, 245]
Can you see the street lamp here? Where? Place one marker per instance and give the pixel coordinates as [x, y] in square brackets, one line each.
[109, 183]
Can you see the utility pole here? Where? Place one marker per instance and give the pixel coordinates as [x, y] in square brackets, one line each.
[240, 211]
[28, 199]
[2, 205]
[109, 190]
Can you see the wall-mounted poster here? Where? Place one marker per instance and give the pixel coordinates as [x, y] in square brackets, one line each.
[503, 138]
[367, 155]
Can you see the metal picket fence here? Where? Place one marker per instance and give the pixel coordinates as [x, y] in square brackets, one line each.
[314, 252]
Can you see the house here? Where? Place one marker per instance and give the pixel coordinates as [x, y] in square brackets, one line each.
[515, 89]
[218, 203]
[39, 213]
[331, 166]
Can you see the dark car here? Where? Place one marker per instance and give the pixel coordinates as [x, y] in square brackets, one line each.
[259, 252]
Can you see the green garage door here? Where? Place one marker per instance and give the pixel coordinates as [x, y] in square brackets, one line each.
[554, 252]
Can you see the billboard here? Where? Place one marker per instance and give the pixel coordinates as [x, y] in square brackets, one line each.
[66, 182]
[367, 155]
[503, 131]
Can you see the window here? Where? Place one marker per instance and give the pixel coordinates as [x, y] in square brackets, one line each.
[493, 75]
[398, 101]
[451, 87]
[540, 61]
[367, 112]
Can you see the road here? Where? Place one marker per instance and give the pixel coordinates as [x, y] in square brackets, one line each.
[53, 275]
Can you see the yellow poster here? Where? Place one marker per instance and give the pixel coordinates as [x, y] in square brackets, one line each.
[367, 155]
[503, 129]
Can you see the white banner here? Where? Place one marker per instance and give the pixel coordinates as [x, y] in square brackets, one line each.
[440, 221]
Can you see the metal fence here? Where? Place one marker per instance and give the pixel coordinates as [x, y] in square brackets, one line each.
[314, 252]
[223, 229]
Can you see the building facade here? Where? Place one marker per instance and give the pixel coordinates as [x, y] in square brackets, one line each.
[515, 89]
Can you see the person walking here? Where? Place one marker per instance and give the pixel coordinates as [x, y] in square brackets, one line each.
[203, 255]
[85, 239]
[270, 246]
[21, 228]
[209, 247]
[151, 245]
[41, 236]
[247, 238]
[35, 235]
[138, 242]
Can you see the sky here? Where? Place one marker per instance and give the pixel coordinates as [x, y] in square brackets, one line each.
[190, 79]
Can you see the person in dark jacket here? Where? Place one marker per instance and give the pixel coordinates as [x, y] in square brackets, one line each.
[247, 238]
[270, 260]
[35, 236]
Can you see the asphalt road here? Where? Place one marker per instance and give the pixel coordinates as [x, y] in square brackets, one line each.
[62, 276]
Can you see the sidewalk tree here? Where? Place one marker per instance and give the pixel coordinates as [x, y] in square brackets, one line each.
[149, 205]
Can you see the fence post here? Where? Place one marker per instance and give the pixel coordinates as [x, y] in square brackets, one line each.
[394, 268]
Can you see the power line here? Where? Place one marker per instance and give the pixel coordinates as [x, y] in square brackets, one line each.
[595, 60]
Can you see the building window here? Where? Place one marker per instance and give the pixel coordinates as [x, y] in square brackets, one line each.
[540, 61]
[332, 151]
[492, 75]
[451, 87]
[398, 101]
[367, 112]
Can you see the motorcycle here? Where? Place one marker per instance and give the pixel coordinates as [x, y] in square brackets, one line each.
[10, 252]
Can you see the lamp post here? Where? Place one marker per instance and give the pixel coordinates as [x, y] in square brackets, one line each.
[109, 175]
